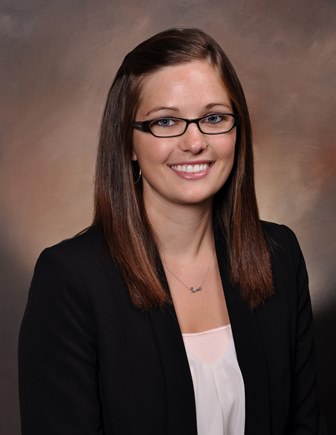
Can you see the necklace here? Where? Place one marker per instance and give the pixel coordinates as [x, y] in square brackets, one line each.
[193, 289]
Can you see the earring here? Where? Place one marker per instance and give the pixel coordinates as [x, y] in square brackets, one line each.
[139, 177]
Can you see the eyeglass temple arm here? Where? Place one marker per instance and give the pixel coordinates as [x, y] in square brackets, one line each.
[141, 125]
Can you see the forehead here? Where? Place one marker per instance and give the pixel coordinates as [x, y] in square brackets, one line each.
[190, 83]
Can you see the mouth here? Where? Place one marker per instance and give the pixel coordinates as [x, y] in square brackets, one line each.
[191, 168]
[191, 171]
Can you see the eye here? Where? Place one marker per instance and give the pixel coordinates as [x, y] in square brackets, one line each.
[163, 122]
[214, 118]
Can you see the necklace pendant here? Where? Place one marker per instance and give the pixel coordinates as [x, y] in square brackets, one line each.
[195, 289]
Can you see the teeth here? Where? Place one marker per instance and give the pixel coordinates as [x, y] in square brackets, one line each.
[191, 169]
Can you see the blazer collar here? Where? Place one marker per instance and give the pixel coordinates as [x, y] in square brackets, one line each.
[250, 351]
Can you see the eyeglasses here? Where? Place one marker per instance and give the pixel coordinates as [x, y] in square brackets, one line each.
[215, 123]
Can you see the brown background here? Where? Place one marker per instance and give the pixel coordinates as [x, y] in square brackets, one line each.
[57, 61]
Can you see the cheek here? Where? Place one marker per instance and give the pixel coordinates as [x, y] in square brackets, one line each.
[232, 145]
[226, 150]
[149, 149]
[227, 155]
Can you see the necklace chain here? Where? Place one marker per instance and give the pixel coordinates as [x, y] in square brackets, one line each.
[193, 289]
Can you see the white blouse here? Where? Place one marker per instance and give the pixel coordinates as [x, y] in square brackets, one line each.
[218, 382]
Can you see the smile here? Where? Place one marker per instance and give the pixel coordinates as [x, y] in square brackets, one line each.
[191, 168]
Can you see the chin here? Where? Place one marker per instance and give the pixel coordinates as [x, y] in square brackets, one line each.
[194, 200]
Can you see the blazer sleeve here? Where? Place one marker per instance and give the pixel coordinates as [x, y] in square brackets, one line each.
[305, 417]
[58, 383]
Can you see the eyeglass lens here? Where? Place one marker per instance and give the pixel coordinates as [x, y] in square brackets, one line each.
[213, 124]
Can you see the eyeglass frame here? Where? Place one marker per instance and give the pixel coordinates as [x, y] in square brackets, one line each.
[145, 125]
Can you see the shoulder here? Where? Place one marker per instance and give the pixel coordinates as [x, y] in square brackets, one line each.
[82, 249]
[86, 243]
[77, 260]
[278, 234]
[283, 242]
[288, 264]
[73, 278]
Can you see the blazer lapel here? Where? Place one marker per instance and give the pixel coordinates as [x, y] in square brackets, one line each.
[181, 412]
[250, 352]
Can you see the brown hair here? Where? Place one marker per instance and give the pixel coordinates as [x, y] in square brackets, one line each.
[119, 206]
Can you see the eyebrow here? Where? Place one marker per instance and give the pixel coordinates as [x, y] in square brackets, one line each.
[175, 109]
[158, 108]
[211, 105]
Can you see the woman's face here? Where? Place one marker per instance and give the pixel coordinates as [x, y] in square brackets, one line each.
[191, 168]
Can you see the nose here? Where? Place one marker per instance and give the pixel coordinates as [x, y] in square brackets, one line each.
[193, 140]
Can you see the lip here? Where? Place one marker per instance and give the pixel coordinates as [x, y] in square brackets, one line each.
[191, 170]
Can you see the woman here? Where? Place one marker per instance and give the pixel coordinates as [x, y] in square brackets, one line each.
[178, 311]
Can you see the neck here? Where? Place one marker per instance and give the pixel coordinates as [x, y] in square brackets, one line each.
[182, 229]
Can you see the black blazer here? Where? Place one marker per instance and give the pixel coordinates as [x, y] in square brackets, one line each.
[91, 363]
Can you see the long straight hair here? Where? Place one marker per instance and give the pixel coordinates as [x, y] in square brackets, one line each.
[119, 206]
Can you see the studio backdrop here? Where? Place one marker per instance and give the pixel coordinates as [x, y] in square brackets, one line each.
[58, 59]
